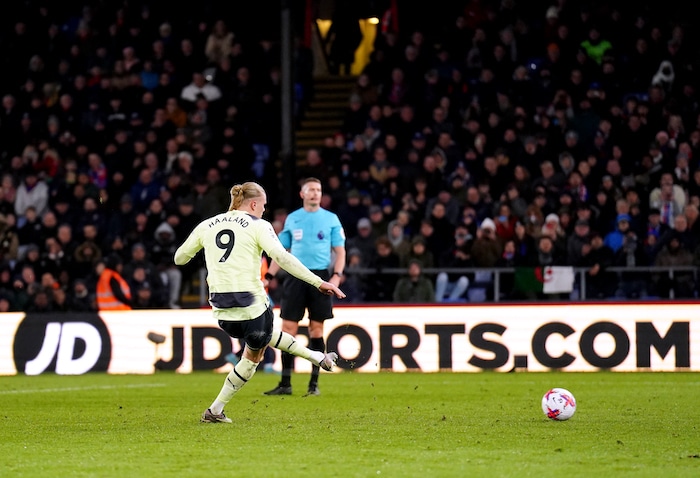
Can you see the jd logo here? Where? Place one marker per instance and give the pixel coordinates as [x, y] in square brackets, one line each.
[68, 344]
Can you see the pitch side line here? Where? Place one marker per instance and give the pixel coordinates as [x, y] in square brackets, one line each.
[80, 389]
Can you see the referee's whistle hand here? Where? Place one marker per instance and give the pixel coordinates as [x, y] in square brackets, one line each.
[330, 289]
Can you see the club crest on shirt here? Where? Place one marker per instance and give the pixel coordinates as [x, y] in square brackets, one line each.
[298, 234]
[320, 235]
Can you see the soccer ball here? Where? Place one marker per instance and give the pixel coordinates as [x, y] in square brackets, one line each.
[559, 404]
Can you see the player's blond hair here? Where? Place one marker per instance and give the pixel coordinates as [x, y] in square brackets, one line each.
[243, 192]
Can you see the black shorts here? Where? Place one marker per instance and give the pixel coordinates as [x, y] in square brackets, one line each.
[256, 333]
[298, 296]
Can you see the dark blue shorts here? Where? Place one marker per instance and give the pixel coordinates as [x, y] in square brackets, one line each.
[256, 333]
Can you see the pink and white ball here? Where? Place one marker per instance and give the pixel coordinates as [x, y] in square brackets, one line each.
[558, 404]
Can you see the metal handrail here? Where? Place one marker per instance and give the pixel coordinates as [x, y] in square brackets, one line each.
[496, 271]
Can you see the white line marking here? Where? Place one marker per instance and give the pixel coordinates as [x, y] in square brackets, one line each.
[80, 389]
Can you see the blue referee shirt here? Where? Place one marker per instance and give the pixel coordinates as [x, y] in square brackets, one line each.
[310, 236]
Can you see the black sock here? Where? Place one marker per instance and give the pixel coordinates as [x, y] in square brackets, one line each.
[320, 345]
[287, 369]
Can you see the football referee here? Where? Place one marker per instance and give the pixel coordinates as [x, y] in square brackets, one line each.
[314, 236]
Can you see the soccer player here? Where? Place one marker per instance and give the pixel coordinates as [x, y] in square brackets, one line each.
[313, 235]
[233, 244]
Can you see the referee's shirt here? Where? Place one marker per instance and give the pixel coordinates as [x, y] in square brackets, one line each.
[310, 236]
[233, 244]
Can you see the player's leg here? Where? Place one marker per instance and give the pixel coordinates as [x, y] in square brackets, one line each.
[287, 343]
[257, 335]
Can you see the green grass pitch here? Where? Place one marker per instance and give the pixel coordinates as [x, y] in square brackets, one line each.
[387, 424]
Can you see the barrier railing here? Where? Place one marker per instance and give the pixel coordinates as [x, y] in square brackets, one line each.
[497, 272]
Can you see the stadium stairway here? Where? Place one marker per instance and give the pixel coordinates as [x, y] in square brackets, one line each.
[324, 114]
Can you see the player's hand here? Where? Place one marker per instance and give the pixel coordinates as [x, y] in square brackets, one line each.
[330, 289]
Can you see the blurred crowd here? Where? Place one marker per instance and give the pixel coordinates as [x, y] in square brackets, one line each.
[505, 133]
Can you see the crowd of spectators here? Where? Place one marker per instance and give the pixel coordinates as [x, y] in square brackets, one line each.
[509, 133]
[123, 124]
[513, 135]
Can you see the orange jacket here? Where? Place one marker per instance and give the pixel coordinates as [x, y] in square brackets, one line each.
[106, 300]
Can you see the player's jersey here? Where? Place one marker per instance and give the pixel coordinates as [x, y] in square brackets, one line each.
[233, 244]
[310, 236]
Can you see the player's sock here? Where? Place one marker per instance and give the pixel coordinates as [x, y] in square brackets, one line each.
[316, 344]
[235, 380]
[287, 343]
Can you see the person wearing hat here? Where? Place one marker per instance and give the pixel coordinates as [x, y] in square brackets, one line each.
[364, 239]
[597, 257]
[616, 238]
[418, 251]
[451, 287]
[414, 287]
[577, 241]
[351, 211]
[486, 250]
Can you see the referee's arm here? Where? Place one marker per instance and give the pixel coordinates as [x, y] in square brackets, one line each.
[339, 264]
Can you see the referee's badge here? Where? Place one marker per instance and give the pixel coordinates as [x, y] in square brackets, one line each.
[298, 234]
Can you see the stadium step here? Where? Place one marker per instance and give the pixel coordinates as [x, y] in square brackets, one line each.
[324, 115]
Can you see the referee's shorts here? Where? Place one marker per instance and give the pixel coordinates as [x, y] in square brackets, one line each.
[298, 296]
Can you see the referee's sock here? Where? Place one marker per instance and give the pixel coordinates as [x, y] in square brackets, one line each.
[320, 345]
[287, 368]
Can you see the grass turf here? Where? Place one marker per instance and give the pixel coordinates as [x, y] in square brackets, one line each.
[387, 424]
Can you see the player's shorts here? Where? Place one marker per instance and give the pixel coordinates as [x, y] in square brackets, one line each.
[256, 332]
[298, 296]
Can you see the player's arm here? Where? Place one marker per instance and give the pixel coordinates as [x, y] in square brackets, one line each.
[189, 248]
[285, 238]
[284, 259]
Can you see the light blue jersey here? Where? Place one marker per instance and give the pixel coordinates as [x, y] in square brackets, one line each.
[310, 236]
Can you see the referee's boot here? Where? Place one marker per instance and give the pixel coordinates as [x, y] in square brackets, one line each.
[280, 390]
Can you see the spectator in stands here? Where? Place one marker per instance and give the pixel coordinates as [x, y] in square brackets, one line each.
[452, 287]
[79, 297]
[577, 241]
[113, 291]
[415, 287]
[9, 242]
[615, 239]
[630, 253]
[32, 192]
[418, 251]
[380, 285]
[682, 283]
[199, 87]
[139, 259]
[163, 250]
[363, 240]
[399, 241]
[597, 257]
[563, 95]
[669, 198]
